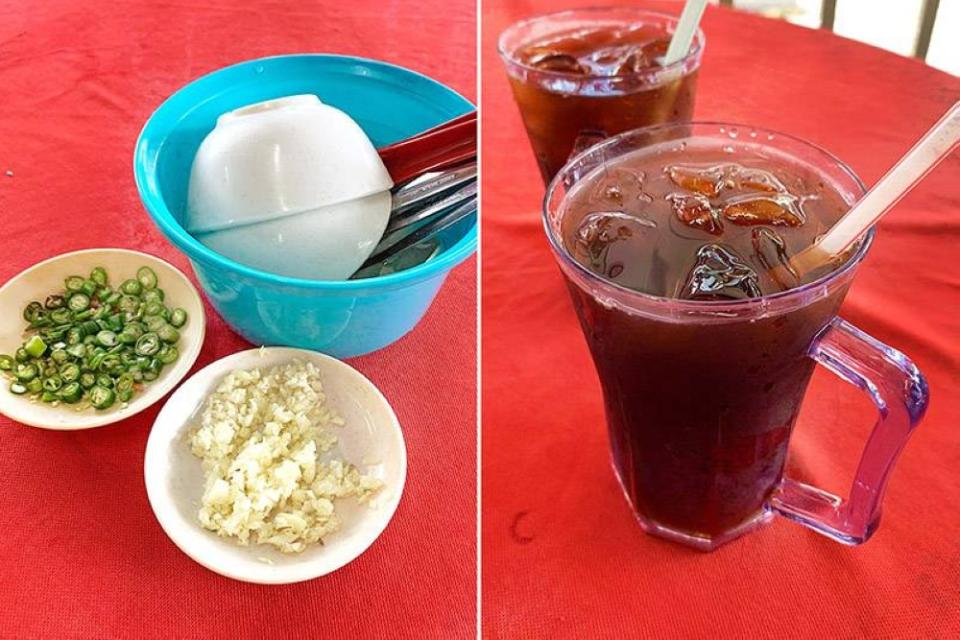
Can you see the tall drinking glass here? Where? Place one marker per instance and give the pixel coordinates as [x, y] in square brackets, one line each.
[701, 396]
[566, 105]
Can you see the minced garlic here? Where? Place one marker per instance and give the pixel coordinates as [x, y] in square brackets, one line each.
[260, 438]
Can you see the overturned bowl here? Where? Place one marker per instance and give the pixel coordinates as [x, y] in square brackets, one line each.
[291, 186]
[341, 318]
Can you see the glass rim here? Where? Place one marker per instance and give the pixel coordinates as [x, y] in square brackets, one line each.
[556, 244]
[699, 43]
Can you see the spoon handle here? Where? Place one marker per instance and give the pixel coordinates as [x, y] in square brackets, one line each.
[451, 142]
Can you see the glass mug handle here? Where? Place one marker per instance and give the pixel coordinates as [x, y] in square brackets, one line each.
[899, 391]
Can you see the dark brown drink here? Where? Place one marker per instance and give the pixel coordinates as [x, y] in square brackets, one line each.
[580, 76]
[702, 384]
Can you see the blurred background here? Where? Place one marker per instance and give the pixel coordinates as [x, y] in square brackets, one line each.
[913, 28]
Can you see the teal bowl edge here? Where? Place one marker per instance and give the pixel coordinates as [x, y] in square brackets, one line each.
[194, 250]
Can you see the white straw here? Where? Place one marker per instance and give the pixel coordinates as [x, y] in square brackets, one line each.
[933, 147]
[686, 29]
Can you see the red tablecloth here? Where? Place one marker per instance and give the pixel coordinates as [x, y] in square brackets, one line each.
[81, 555]
[562, 555]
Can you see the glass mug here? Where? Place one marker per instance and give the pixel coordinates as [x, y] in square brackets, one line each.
[702, 468]
[564, 111]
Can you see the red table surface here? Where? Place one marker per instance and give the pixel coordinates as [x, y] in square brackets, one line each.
[562, 555]
[81, 555]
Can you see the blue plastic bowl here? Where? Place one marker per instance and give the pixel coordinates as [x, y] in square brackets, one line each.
[342, 319]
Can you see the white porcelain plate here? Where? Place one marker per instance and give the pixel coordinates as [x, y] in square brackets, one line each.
[371, 439]
[47, 277]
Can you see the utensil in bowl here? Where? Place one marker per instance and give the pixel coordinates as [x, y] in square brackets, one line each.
[428, 185]
[449, 143]
[341, 318]
[44, 278]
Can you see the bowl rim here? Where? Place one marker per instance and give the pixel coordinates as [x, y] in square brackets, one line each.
[160, 502]
[169, 385]
[161, 215]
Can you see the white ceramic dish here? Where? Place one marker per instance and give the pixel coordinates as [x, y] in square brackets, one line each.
[291, 186]
[45, 278]
[371, 438]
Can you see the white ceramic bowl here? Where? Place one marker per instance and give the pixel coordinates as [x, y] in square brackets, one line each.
[288, 186]
[47, 277]
[329, 243]
[371, 438]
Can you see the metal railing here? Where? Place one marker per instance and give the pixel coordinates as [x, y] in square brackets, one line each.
[928, 17]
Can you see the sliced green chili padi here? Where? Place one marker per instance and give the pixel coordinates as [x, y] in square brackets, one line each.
[31, 310]
[77, 351]
[99, 275]
[41, 320]
[101, 397]
[131, 287]
[70, 372]
[106, 338]
[71, 393]
[87, 380]
[35, 346]
[168, 354]
[169, 334]
[27, 372]
[95, 343]
[153, 309]
[129, 304]
[111, 364]
[61, 316]
[153, 323]
[74, 283]
[147, 278]
[148, 344]
[178, 317]
[153, 295]
[78, 301]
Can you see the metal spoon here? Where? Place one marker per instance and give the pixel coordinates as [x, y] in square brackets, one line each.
[429, 185]
[413, 238]
[413, 215]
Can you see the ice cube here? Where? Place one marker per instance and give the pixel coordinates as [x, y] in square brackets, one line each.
[609, 241]
[720, 274]
[770, 251]
[613, 193]
[620, 186]
[704, 181]
[779, 210]
[696, 212]
[555, 61]
[760, 180]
